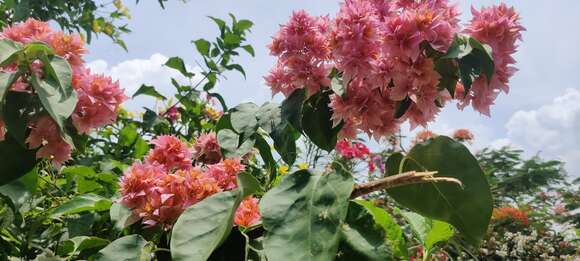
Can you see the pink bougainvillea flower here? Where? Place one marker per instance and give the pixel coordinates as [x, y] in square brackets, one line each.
[99, 99]
[29, 31]
[248, 213]
[45, 135]
[499, 27]
[137, 181]
[206, 148]
[302, 49]
[463, 135]
[172, 114]
[170, 152]
[424, 135]
[226, 172]
[69, 46]
[350, 150]
[356, 38]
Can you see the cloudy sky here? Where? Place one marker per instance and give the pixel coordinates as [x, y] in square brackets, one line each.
[541, 114]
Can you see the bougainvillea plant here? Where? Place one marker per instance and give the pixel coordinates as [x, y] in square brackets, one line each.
[48, 96]
[193, 182]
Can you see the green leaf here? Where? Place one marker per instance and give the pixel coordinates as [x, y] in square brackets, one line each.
[317, 123]
[361, 237]
[243, 118]
[6, 80]
[128, 135]
[292, 108]
[178, 64]
[127, 248]
[269, 116]
[266, 153]
[228, 141]
[59, 107]
[303, 214]
[149, 91]
[440, 232]
[402, 107]
[243, 25]
[15, 161]
[285, 142]
[220, 23]
[121, 216]
[56, 95]
[141, 148]
[248, 184]
[428, 232]
[232, 40]
[203, 226]
[394, 232]
[16, 115]
[84, 242]
[22, 189]
[249, 49]
[467, 208]
[78, 204]
[202, 46]
[8, 51]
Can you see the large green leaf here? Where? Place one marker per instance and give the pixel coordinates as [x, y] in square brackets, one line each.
[56, 93]
[243, 118]
[20, 190]
[87, 202]
[302, 216]
[393, 231]
[466, 207]
[291, 108]
[16, 115]
[8, 49]
[76, 245]
[317, 123]
[429, 232]
[284, 137]
[361, 237]
[127, 248]
[269, 116]
[121, 217]
[6, 80]
[203, 226]
[15, 161]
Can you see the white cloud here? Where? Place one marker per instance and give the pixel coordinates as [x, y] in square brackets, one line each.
[132, 73]
[552, 129]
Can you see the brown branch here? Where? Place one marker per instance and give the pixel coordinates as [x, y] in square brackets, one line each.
[403, 179]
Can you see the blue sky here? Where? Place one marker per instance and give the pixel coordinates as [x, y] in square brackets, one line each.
[540, 114]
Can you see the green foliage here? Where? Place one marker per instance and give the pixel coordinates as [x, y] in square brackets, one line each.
[467, 207]
[130, 248]
[203, 226]
[361, 238]
[302, 215]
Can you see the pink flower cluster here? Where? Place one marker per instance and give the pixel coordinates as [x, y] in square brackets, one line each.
[356, 150]
[463, 135]
[377, 45]
[248, 213]
[206, 148]
[500, 28]
[99, 97]
[302, 48]
[424, 136]
[166, 183]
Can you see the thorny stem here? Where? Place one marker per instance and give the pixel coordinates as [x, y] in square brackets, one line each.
[403, 179]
